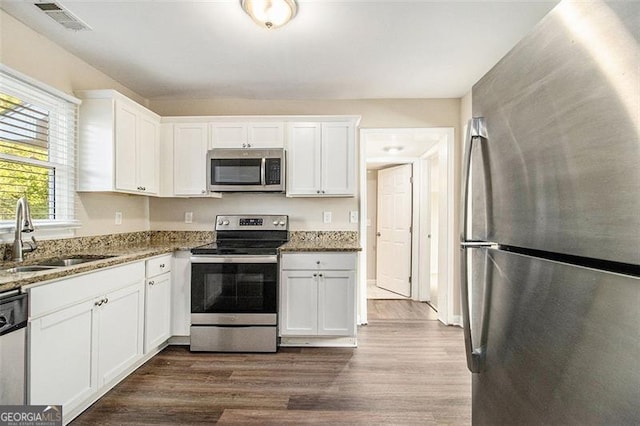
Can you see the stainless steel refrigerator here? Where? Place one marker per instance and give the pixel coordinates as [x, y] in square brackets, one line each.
[551, 246]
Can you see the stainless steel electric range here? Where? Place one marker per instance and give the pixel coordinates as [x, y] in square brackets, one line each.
[234, 285]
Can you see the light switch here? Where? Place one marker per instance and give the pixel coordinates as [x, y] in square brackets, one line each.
[326, 217]
[188, 217]
[118, 218]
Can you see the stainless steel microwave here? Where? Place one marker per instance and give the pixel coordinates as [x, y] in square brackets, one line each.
[246, 170]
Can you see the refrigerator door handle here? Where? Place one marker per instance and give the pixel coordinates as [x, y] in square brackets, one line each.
[476, 129]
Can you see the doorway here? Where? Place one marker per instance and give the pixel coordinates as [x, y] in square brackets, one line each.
[425, 152]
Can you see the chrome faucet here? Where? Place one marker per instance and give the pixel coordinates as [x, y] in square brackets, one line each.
[23, 224]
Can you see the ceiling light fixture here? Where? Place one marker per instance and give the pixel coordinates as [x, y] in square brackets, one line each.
[270, 13]
[393, 149]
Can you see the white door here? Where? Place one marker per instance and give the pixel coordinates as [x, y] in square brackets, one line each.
[61, 369]
[157, 311]
[299, 303]
[394, 229]
[126, 135]
[147, 155]
[120, 331]
[338, 159]
[336, 303]
[303, 159]
[189, 159]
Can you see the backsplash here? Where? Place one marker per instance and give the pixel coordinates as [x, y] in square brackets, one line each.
[51, 248]
[324, 236]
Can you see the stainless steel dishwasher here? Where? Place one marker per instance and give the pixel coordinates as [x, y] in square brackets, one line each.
[13, 323]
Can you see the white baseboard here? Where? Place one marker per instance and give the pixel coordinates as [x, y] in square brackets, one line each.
[180, 340]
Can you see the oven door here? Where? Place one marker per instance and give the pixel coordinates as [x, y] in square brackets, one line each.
[234, 290]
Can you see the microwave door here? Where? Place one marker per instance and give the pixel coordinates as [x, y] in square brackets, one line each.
[237, 172]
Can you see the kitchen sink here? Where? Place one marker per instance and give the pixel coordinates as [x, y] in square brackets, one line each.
[56, 262]
[30, 268]
[70, 261]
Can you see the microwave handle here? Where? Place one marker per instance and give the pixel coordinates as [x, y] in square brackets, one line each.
[263, 171]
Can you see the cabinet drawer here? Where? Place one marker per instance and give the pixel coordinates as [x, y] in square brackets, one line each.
[158, 265]
[319, 260]
[57, 295]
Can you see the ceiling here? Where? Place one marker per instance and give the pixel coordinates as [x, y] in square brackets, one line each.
[348, 49]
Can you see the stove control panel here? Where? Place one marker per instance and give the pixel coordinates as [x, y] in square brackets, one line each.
[258, 222]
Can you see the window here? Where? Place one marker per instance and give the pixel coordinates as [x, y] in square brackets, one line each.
[37, 151]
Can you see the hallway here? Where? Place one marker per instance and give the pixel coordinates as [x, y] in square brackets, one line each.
[407, 369]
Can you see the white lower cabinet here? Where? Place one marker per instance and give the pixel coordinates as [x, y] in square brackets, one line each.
[157, 307]
[120, 331]
[85, 334]
[61, 350]
[317, 295]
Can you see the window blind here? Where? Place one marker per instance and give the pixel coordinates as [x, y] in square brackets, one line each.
[37, 151]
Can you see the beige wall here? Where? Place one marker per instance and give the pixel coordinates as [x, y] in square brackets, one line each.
[34, 55]
[376, 113]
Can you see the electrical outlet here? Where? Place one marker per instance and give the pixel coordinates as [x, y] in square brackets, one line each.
[188, 217]
[118, 218]
[326, 217]
[353, 216]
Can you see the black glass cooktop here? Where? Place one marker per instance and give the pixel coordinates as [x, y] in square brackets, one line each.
[215, 249]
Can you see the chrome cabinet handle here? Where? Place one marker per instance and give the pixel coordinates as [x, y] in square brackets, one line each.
[151, 282]
[315, 275]
[476, 130]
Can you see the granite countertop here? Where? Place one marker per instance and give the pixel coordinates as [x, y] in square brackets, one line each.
[322, 241]
[121, 254]
[130, 247]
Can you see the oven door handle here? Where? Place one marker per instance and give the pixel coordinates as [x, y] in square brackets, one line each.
[232, 259]
[263, 172]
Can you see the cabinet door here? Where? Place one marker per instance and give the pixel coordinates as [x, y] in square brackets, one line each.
[147, 155]
[229, 135]
[157, 311]
[189, 159]
[266, 135]
[120, 332]
[61, 348]
[303, 159]
[338, 159]
[298, 303]
[126, 132]
[336, 303]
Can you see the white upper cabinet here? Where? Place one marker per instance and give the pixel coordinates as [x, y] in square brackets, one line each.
[247, 134]
[189, 159]
[118, 144]
[321, 159]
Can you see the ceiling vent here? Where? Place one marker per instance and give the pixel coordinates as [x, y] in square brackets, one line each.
[63, 17]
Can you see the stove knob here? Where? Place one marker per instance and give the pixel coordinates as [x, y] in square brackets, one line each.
[282, 223]
[219, 221]
[275, 223]
[226, 222]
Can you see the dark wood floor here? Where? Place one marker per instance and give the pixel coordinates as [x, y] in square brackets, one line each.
[407, 369]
